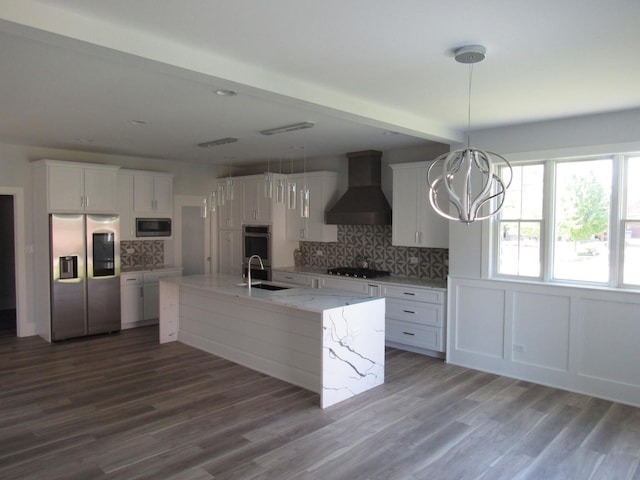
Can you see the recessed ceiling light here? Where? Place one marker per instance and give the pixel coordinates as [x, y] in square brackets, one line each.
[84, 140]
[225, 92]
[214, 143]
[288, 128]
[138, 122]
[390, 132]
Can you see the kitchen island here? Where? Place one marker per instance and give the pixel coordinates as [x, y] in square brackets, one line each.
[327, 341]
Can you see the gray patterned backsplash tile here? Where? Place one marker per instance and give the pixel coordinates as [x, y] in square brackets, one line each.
[141, 253]
[374, 242]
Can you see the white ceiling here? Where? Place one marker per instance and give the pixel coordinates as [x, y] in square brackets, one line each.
[83, 69]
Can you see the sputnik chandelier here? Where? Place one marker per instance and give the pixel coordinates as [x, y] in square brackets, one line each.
[467, 178]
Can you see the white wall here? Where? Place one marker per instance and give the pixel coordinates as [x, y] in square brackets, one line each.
[579, 339]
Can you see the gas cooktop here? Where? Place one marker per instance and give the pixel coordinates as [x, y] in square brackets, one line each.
[357, 272]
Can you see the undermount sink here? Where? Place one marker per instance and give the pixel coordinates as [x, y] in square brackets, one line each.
[264, 286]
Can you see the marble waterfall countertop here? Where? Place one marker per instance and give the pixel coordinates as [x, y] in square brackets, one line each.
[295, 296]
[327, 341]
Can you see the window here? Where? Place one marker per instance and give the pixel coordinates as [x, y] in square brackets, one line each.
[631, 222]
[571, 221]
[520, 223]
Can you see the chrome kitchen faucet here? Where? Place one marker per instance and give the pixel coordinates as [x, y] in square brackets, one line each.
[249, 269]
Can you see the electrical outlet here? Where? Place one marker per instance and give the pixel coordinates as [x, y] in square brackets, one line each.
[319, 253]
[130, 251]
[518, 348]
[413, 260]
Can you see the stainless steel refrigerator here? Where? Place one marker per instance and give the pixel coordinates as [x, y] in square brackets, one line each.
[85, 275]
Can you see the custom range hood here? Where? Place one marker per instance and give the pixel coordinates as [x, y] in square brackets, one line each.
[363, 203]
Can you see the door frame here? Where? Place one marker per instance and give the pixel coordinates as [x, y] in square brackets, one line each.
[23, 327]
[210, 221]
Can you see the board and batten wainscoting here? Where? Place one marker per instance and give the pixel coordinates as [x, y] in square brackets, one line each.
[579, 339]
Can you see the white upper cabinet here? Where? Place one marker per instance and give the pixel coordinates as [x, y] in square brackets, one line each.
[153, 194]
[124, 203]
[230, 209]
[323, 189]
[256, 207]
[415, 223]
[78, 187]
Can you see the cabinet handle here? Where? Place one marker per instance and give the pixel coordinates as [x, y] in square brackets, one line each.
[131, 280]
[86, 201]
[410, 334]
[302, 233]
[289, 278]
[416, 237]
[408, 311]
[409, 293]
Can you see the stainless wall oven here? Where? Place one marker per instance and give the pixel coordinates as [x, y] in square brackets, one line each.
[256, 240]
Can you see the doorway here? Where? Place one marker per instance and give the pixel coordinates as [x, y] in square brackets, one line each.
[192, 235]
[8, 321]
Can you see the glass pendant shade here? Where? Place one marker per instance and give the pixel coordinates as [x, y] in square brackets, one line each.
[221, 194]
[280, 191]
[304, 202]
[230, 189]
[268, 185]
[291, 195]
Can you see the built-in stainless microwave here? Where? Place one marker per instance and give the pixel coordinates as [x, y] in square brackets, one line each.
[153, 227]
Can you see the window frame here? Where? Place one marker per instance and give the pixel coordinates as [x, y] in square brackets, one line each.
[617, 222]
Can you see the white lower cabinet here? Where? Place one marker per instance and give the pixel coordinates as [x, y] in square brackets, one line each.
[344, 284]
[295, 278]
[415, 318]
[140, 296]
[415, 315]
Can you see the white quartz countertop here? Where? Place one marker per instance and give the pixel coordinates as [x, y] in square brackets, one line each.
[302, 298]
[417, 282]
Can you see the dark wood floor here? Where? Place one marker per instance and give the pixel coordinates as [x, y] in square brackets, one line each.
[124, 407]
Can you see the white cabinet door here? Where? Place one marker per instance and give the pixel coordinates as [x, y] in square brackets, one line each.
[100, 190]
[66, 188]
[151, 300]
[230, 214]
[131, 306]
[256, 208]
[124, 206]
[81, 188]
[415, 223]
[323, 187]
[346, 285]
[163, 194]
[230, 252]
[153, 194]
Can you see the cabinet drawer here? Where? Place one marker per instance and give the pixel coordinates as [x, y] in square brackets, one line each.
[416, 312]
[416, 335]
[297, 278]
[416, 294]
[130, 279]
[346, 285]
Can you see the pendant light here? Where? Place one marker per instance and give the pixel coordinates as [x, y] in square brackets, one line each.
[268, 181]
[467, 178]
[230, 187]
[291, 190]
[304, 192]
[280, 185]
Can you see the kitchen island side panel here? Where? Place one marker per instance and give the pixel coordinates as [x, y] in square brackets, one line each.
[278, 341]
